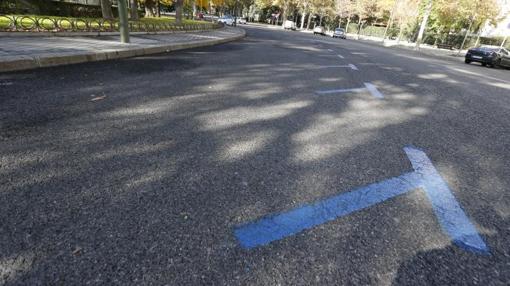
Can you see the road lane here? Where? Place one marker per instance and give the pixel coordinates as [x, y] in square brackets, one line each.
[137, 171]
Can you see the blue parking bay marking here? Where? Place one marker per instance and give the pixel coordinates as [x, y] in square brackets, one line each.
[351, 66]
[449, 213]
[368, 87]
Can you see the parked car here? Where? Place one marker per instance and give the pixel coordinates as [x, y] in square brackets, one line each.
[227, 20]
[320, 30]
[241, 20]
[489, 56]
[339, 33]
[289, 25]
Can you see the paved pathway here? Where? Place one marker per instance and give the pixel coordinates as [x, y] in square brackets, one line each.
[18, 53]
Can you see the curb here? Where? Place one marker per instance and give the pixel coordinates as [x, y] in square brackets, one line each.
[18, 63]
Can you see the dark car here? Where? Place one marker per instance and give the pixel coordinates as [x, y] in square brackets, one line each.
[491, 56]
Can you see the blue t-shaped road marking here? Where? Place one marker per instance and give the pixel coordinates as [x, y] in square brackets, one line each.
[448, 211]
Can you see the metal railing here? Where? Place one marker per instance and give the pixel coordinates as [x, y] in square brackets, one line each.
[14, 23]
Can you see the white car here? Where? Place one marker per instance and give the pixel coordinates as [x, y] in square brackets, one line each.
[241, 21]
[319, 30]
[339, 33]
[227, 20]
[289, 25]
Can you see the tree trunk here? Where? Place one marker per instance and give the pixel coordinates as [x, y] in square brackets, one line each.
[106, 9]
[309, 21]
[466, 36]
[133, 9]
[178, 11]
[347, 25]
[359, 27]
[284, 12]
[303, 16]
[149, 8]
[400, 32]
[390, 22]
[423, 25]
[194, 9]
[158, 7]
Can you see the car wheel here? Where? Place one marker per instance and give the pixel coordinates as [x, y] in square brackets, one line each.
[484, 64]
[467, 61]
[493, 64]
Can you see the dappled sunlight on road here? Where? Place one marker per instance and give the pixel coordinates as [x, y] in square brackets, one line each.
[239, 116]
[500, 85]
[16, 266]
[136, 148]
[432, 76]
[236, 148]
[327, 135]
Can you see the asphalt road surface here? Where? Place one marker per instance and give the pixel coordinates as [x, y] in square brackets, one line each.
[139, 171]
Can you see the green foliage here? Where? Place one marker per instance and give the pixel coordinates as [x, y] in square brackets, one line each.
[45, 7]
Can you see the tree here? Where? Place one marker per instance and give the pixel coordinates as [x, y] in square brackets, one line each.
[364, 9]
[304, 7]
[428, 10]
[406, 13]
[133, 4]
[390, 21]
[150, 8]
[178, 11]
[344, 9]
[106, 9]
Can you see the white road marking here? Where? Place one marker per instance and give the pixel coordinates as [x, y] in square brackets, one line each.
[340, 56]
[330, 50]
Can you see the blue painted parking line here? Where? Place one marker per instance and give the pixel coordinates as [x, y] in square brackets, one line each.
[368, 87]
[373, 90]
[344, 90]
[450, 215]
[351, 66]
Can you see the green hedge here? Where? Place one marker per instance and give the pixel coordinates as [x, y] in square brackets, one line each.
[372, 31]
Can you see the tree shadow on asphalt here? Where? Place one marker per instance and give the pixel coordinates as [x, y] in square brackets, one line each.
[145, 185]
[428, 267]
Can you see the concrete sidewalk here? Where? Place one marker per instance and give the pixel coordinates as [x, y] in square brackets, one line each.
[20, 53]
